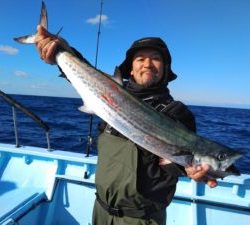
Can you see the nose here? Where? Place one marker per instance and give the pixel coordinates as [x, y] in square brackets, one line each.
[148, 62]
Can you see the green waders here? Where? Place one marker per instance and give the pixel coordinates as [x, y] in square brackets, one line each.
[116, 179]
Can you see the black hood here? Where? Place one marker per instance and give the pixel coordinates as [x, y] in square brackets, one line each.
[148, 42]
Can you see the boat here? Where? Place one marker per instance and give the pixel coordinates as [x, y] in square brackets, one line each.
[41, 186]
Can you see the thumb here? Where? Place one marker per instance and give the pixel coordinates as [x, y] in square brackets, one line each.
[212, 183]
[40, 29]
[43, 31]
[163, 162]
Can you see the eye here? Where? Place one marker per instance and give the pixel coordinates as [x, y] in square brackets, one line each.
[221, 156]
[139, 59]
[157, 58]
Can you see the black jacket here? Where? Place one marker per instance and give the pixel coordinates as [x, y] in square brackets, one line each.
[155, 182]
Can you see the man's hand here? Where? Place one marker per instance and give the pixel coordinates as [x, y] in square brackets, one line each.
[47, 45]
[163, 162]
[199, 174]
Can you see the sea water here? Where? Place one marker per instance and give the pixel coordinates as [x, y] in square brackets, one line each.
[70, 128]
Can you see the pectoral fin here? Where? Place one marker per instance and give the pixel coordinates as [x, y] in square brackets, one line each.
[85, 109]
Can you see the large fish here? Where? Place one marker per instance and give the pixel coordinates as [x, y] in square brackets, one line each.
[138, 121]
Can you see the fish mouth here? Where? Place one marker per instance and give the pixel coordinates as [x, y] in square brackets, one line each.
[233, 170]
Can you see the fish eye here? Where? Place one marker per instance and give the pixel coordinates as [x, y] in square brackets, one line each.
[221, 156]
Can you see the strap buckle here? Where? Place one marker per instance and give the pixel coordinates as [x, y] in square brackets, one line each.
[108, 129]
[115, 211]
[161, 107]
[111, 210]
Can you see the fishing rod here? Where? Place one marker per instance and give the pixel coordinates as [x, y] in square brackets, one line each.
[90, 138]
[98, 34]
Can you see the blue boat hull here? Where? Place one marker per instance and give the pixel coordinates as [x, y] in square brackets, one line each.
[56, 187]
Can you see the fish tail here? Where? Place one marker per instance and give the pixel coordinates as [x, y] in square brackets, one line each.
[30, 39]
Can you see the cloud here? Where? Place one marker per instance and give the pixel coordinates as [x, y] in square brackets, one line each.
[95, 20]
[20, 73]
[40, 86]
[8, 50]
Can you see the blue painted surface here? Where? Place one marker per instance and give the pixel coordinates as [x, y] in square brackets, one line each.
[14, 201]
[197, 204]
[57, 187]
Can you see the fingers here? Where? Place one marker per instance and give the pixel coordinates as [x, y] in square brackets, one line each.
[163, 162]
[48, 51]
[47, 45]
[212, 183]
[47, 48]
[199, 174]
[41, 31]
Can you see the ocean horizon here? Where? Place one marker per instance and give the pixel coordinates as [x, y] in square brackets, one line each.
[69, 128]
[187, 102]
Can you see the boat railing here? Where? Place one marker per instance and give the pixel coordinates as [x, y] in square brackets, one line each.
[16, 105]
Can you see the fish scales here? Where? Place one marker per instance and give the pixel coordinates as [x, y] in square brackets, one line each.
[137, 121]
[165, 137]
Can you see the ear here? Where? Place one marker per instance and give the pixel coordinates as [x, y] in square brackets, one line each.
[166, 70]
[131, 73]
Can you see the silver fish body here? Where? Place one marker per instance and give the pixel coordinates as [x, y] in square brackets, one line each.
[141, 123]
[138, 121]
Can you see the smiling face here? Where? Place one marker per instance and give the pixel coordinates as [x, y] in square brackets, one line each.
[147, 67]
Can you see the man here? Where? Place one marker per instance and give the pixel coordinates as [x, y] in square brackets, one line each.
[133, 185]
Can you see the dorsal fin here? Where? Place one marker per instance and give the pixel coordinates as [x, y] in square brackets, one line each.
[118, 76]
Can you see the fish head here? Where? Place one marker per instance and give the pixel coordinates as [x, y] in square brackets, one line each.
[221, 163]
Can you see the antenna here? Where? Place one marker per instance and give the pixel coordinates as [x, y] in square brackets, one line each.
[90, 138]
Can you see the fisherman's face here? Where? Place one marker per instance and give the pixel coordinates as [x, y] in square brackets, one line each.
[147, 67]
